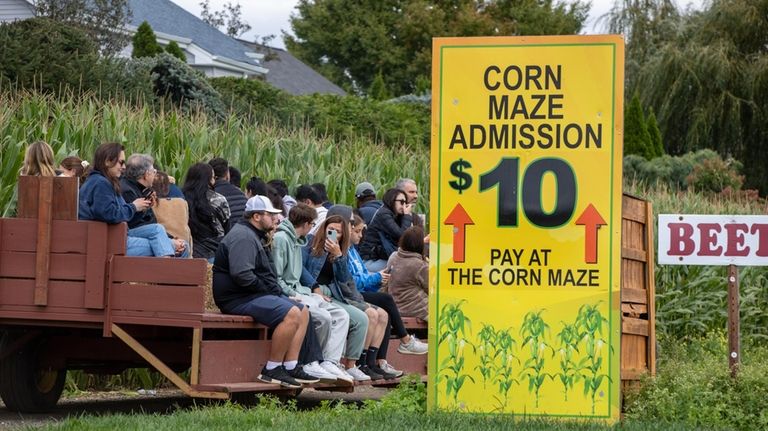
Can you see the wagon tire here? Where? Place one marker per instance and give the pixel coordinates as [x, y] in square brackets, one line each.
[24, 386]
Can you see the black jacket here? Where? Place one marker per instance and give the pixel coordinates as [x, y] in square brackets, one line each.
[243, 268]
[384, 224]
[235, 198]
[132, 190]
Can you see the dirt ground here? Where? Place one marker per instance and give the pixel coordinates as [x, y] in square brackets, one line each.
[164, 401]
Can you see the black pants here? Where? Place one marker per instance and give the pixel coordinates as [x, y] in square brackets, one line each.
[310, 347]
[395, 323]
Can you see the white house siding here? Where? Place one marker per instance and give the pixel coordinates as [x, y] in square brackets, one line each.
[11, 10]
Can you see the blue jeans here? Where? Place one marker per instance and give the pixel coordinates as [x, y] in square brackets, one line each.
[151, 240]
[375, 265]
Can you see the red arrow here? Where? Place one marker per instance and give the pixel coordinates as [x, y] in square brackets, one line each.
[592, 221]
[459, 219]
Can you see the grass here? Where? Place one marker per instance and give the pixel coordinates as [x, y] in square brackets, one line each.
[692, 391]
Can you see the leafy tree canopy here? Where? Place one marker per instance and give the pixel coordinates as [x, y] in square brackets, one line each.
[351, 41]
[98, 18]
[708, 84]
[230, 19]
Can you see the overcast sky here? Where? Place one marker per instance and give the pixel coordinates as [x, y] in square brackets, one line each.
[271, 16]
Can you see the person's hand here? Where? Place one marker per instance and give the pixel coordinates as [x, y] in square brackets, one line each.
[408, 209]
[426, 239]
[384, 276]
[333, 248]
[178, 245]
[142, 204]
[326, 298]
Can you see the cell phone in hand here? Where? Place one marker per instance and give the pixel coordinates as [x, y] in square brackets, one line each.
[332, 235]
[147, 193]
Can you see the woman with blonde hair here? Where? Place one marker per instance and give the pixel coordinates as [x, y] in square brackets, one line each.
[38, 160]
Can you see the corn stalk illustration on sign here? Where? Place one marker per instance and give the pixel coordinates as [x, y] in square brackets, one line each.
[526, 225]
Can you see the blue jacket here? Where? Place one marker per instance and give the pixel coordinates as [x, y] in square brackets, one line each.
[314, 264]
[364, 280]
[98, 201]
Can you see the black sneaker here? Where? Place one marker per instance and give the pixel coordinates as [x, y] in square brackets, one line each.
[386, 375]
[279, 376]
[370, 373]
[300, 376]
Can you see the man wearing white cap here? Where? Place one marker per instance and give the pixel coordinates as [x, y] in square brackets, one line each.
[245, 283]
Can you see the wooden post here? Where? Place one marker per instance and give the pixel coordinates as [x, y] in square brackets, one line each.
[734, 348]
[43, 249]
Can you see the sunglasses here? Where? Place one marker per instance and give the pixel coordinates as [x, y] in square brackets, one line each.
[402, 201]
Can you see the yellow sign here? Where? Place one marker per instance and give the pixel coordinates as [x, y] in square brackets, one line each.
[526, 232]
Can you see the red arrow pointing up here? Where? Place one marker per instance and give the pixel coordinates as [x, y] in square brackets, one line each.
[592, 221]
[459, 219]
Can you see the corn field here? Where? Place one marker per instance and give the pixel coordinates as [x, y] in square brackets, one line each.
[691, 300]
[76, 125]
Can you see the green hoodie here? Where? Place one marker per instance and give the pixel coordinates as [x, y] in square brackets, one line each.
[286, 253]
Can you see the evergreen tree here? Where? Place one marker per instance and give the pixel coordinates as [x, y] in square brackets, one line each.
[174, 49]
[653, 130]
[145, 43]
[637, 140]
[378, 90]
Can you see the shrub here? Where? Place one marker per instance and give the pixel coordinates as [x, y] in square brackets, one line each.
[145, 43]
[693, 386]
[184, 87]
[656, 141]
[704, 170]
[715, 174]
[174, 49]
[47, 55]
[341, 117]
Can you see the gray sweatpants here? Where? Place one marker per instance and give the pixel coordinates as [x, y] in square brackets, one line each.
[331, 325]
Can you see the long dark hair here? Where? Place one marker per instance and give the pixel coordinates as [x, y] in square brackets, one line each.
[389, 198]
[108, 152]
[197, 183]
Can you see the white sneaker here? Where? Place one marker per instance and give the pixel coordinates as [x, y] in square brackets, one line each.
[358, 375]
[384, 365]
[315, 370]
[415, 347]
[340, 374]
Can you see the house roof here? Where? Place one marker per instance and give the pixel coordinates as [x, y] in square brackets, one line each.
[167, 17]
[290, 74]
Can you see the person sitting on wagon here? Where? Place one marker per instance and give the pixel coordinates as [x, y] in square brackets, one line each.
[101, 200]
[38, 160]
[245, 283]
[331, 322]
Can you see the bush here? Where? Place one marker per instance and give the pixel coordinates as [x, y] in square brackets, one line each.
[175, 50]
[47, 55]
[185, 87]
[703, 170]
[693, 386]
[341, 117]
[145, 43]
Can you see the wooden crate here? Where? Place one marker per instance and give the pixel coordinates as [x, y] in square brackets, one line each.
[638, 329]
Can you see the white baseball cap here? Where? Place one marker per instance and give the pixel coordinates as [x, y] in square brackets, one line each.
[261, 203]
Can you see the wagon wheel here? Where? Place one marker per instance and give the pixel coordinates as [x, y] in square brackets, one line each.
[25, 386]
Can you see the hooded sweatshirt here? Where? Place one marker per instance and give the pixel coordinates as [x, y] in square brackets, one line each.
[286, 253]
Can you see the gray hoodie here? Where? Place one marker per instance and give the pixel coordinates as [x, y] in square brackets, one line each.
[286, 253]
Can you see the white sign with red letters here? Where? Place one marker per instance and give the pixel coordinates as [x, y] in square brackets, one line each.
[713, 240]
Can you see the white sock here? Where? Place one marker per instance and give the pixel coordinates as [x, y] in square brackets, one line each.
[289, 365]
[272, 365]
